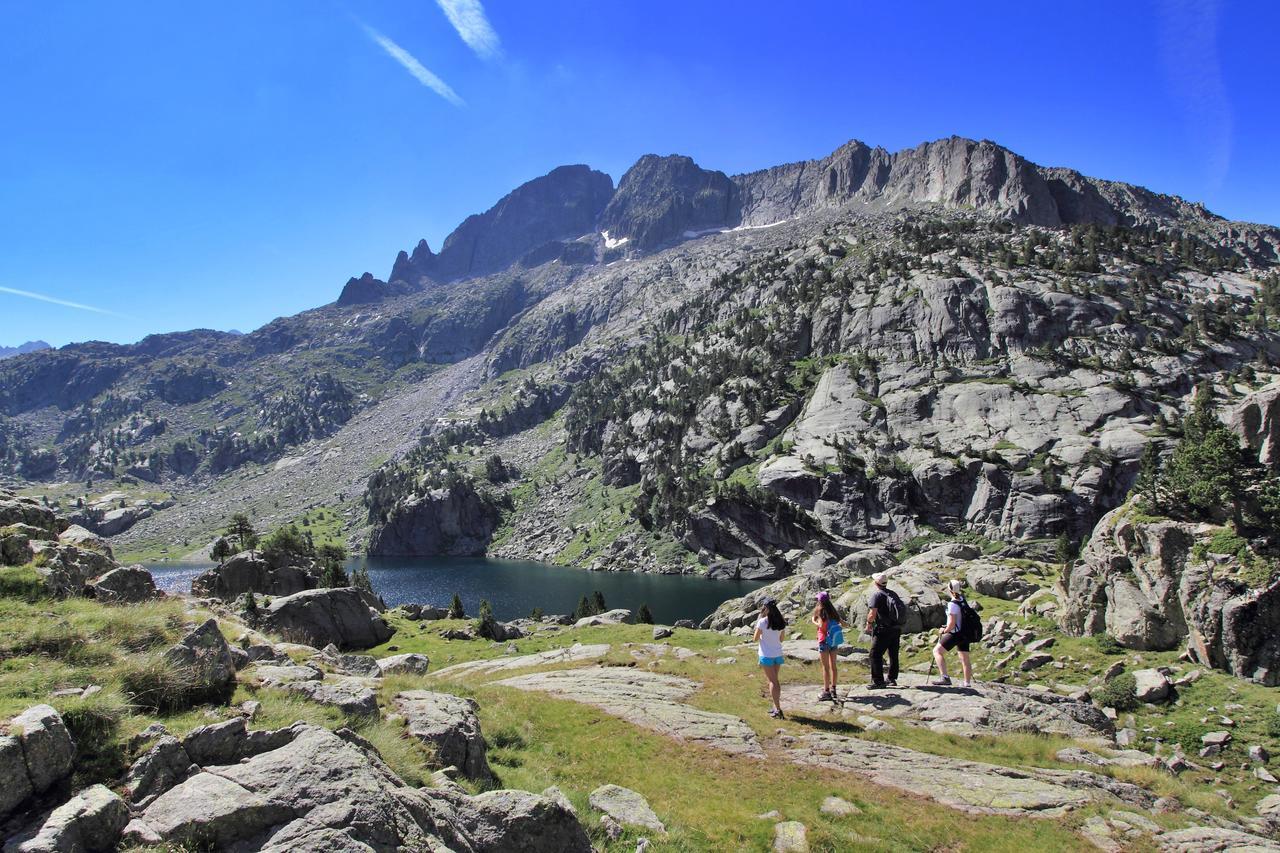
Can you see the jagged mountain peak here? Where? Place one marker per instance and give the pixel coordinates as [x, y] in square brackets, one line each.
[660, 198]
[560, 205]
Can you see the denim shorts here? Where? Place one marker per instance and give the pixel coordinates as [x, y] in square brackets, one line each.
[771, 661]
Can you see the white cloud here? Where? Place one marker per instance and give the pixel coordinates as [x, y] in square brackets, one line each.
[63, 302]
[414, 67]
[468, 18]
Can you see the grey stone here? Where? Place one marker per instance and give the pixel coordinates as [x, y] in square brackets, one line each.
[125, 585]
[47, 749]
[351, 696]
[312, 789]
[626, 807]
[994, 709]
[661, 632]
[965, 785]
[249, 572]
[91, 821]
[319, 617]
[1152, 685]
[647, 699]
[837, 807]
[205, 652]
[364, 666]
[449, 725]
[410, 663]
[790, 836]
[573, 654]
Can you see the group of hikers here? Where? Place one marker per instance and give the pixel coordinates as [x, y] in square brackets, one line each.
[886, 619]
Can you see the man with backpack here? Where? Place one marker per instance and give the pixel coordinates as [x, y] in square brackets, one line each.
[963, 627]
[886, 615]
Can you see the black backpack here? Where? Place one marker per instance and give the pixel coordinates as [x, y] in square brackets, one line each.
[895, 615]
[970, 623]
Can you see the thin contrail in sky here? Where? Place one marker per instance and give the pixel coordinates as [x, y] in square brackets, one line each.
[63, 302]
[410, 63]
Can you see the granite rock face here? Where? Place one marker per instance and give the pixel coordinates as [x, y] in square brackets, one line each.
[1140, 582]
[648, 699]
[662, 199]
[565, 203]
[306, 788]
[454, 521]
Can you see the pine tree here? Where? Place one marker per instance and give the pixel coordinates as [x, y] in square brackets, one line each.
[597, 603]
[1148, 482]
[360, 580]
[1208, 472]
[584, 609]
[221, 550]
[456, 610]
[644, 617]
[241, 530]
[486, 626]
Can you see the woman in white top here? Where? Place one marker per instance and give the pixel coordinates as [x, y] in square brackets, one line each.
[951, 638]
[768, 635]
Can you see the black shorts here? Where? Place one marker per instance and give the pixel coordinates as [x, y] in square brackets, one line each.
[953, 641]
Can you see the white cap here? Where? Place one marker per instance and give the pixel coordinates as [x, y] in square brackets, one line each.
[880, 578]
[956, 584]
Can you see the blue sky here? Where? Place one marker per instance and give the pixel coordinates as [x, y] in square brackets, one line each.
[218, 165]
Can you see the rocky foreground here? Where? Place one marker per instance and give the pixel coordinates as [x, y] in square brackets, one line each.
[315, 719]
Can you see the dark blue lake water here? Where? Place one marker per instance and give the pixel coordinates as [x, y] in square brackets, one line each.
[515, 587]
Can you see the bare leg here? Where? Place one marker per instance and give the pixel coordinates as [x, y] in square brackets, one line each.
[775, 689]
[966, 666]
[831, 658]
[940, 657]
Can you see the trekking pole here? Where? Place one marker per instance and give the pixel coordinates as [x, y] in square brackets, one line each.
[929, 677]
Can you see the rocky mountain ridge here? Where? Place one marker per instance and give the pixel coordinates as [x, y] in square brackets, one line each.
[871, 347]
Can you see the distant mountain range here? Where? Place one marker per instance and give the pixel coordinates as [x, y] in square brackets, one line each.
[29, 346]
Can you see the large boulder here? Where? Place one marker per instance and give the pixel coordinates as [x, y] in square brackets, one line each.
[206, 654]
[1142, 582]
[307, 788]
[249, 572]
[22, 510]
[449, 725]
[458, 521]
[125, 585]
[66, 569]
[36, 753]
[91, 821]
[318, 617]
[82, 538]
[1003, 582]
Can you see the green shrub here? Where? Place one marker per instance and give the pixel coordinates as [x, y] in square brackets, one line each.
[1107, 644]
[644, 616]
[1120, 693]
[1185, 733]
[456, 611]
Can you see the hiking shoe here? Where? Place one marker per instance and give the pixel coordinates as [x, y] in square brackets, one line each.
[775, 713]
[878, 685]
[891, 683]
[944, 681]
[967, 685]
[825, 696]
